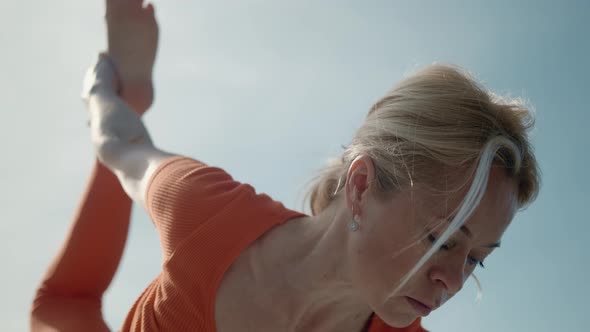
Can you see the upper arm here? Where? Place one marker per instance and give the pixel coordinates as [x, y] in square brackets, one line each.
[134, 165]
[185, 194]
[179, 194]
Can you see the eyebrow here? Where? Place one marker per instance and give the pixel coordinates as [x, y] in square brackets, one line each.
[468, 233]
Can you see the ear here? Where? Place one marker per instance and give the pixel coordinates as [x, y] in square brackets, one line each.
[361, 174]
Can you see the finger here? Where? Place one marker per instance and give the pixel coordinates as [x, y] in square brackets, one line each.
[118, 5]
[136, 3]
[113, 7]
[114, 3]
[150, 9]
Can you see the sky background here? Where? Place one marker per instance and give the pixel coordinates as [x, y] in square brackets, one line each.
[269, 90]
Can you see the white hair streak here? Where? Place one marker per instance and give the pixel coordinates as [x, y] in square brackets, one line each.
[469, 204]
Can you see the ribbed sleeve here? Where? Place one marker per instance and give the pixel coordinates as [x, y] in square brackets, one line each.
[182, 194]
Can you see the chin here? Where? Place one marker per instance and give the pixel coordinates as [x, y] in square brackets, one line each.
[397, 320]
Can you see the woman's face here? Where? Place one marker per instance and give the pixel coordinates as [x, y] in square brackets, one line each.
[396, 233]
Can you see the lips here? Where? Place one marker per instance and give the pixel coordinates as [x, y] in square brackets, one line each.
[422, 308]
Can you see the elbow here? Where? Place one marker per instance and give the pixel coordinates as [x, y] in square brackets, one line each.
[36, 303]
[41, 307]
[54, 312]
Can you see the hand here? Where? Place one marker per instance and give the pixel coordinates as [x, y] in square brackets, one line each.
[102, 76]
[132, 33]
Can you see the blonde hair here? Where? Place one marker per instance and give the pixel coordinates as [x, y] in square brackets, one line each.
[438, 119]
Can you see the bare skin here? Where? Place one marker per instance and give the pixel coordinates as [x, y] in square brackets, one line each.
[69, 298]
[132, 33]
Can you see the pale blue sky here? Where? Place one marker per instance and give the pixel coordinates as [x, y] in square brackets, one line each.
[269, 90]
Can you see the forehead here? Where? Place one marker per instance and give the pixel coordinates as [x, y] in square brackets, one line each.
[495, 211]
[422, 208]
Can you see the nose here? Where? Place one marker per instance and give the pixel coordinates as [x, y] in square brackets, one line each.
[450, 275]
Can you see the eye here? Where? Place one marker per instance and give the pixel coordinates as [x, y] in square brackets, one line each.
[445, 246]
[474, 261]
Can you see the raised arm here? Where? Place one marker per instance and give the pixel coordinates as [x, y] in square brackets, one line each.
[69, 297]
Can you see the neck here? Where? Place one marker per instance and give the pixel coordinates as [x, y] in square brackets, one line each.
[313, 274]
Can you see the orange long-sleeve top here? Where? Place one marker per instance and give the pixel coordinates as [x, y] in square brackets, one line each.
[205, 220]
[69, 297]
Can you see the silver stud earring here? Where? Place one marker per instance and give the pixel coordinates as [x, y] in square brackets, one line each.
[354, 225]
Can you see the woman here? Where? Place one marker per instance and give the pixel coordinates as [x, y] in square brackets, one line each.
[421, 196]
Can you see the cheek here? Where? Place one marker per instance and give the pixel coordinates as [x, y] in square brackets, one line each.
[386, 248]
[378, 278]
[379, 265]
